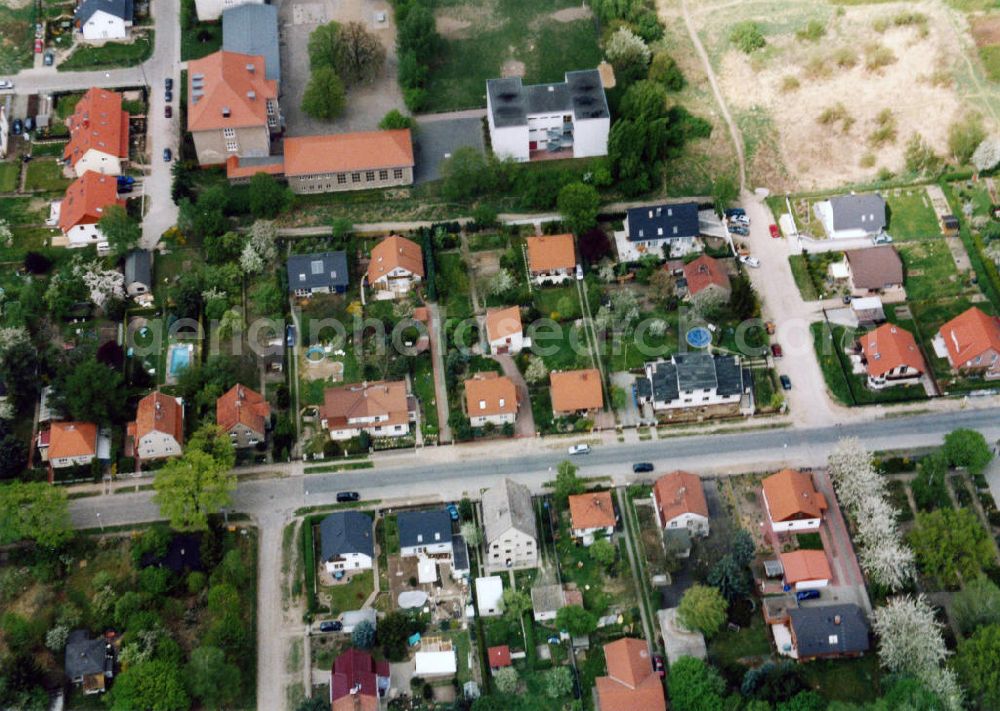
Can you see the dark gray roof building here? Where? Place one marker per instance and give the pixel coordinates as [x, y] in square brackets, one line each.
[345, 532]
[853, 212]
[676, 221]
[253, 29]
[139, 267]
[512, 102]
[119, 8]
[832, 630]
[422, 528]
[325, 271]
[690, 372]
[87, 657]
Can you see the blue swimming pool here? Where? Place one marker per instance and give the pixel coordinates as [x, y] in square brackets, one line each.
[180, 358]
[698, 337]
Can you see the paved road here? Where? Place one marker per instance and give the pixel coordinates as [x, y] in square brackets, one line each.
[161, 132]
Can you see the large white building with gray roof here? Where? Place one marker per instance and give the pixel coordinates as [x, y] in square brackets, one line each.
[567, 119]
[345, 541]
[693, 380]
[852, 216]
[510, 533]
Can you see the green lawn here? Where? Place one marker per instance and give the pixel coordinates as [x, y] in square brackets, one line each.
[640, 346]
[201, 40]
[506, 30]
[54, 149]
[563, 347]
[910, 214]
[18, 211]
[990, 56]
[26, 239]
[423, 387]
[487, 241]
[560, 303]
[803, 280]
[453, 284]
[45, 176]
[846, 387]
[16, 33]
[930, 270]
[728, 647]
[849, 680]
[112, 54]
[351, 595]
[66, 105]
[9, 172]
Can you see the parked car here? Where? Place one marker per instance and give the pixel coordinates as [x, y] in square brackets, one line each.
[786, 382]
[846, 299]
[740, 219]
[579, 272]
[29, 124]
[642, 467]
[882, 238]
[290, 335]
[740, 230]
[48, 59]
[750, 262]
[125, 180]
[168, 84]
[168, 96]
[807, 595]
[734, 211]
[168, 111]
[6, 84]
[452, 511]
[16, 127]
[38, 46]
[331, 626]
[775, 232]
[39, 30]
[776, 350]
[580, 449]
[168, 155]
[123, 189]
[345, 496]
[658, 666]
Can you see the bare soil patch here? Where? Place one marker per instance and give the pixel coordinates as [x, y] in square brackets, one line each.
[455, 22]
[512, 68]
[986, 30]
[570, 14]
[451, 27]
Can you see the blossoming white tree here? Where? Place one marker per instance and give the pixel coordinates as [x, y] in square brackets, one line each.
[103, 284]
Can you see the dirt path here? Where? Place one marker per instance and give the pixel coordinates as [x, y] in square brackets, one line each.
[723, 109]
[271, 626]
[440, 385]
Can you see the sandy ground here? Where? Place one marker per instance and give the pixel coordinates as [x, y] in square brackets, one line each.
[800, 153]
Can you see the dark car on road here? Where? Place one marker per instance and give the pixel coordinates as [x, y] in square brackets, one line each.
[16, 127]
[168, 96]
[168, 84]
[807, 595]
[642, 467]
[331, 626]
[168, 155]
[786, 382]
[168, 111]
[658, 666]
[345, 496]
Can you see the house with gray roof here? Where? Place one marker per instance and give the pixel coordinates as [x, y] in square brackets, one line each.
[345, 541]
[89, 663]
[852, 216]
[100, 20]
[827, 631]
[253, 30]
[139, 275]
[652, 228]
[567, 119]
[690, 380]
[509, 529]
[425, 533]
[546, 601]
[321, 273]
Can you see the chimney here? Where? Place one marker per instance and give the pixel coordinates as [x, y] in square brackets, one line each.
[836, 619]
[251, 68]
[252, 95]
[225, 112]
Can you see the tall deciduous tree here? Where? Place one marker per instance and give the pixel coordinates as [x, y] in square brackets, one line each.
[324, 97]
[268, 197]
[949, 543]
[575, 620]
[703, 609]
[190, 488]
[156, 684]
[211, 679]
[515, 603]
[694, 686]
[90, 392]
[34, 511]
[602, 552]
[967, 448]
[558, 682]
[567, 482]
[579, 204]
[323, 45]
[978, 665]
[120, 230]
[976, 605]
[360, 54]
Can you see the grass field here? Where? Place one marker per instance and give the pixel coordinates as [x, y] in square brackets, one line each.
[9, 172]
[910, 214]
[112, 54]
[45, 175]
[200, 40]
[54, 149]
[15, 37]
[803, 280]
[505, 30]
[930, 270]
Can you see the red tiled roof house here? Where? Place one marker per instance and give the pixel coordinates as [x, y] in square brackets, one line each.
[806, 569]
[576, 392]
[83, 206]
[98, 134]
[349, 161]
[490, 398]
[382, 409]
[590, 514]
[971, 343]
[397, 264]
[357, 682]
[631, 683]
[680, 502]
[504, 330]
[244, 415]
[707, 274]
[792, 502]
[69, 444]
[551, 258]
[158, 428]
[891, 356]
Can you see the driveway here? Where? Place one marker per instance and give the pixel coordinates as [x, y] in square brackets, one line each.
[630, 416]
[525, 424]
[367, 103]
[848, 584]
[438, 136]
[440, 383]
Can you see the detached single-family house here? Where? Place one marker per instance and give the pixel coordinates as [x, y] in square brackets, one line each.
[891, 356]
[707, 274]
[590, 514]
[576, 392]
[101, 20]
[489, 596]
[245, 415]
[696, 379]
[504, 331]
[82, 208]
[669, 231]
[679, 500]
[546, 601]
[490, 399]
[139, 275]
[357, 681]
[852, 216]
[252, 29]
[806, 569]
[509, 531]
[631, 683]
[321, 273]
[424, 533]
[792, 502]
[232, 107]
[971, 343]
[568, 119]
[70, 444]
[875, 270]
[830, 631]
[345, 541]
[158, 428]
[90, 663]
[551, 258]
[98, 134]
[396, 266]
[382, 409]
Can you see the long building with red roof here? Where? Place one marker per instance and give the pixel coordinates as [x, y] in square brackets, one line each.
[83, 206]
[98, 134]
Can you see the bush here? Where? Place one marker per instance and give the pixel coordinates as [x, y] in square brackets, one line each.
[664, 70]
[878, 57]
[396, 120]
[812, 32]
[885, 129]
[747, 37]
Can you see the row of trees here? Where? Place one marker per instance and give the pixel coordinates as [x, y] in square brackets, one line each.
[417, 43]
[340, 56]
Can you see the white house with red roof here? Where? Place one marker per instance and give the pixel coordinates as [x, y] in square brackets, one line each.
[971, 343]
[83, 206]
[679, 500]
[98, 134]
[891, 357]
[158, 428]
[397, 265]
